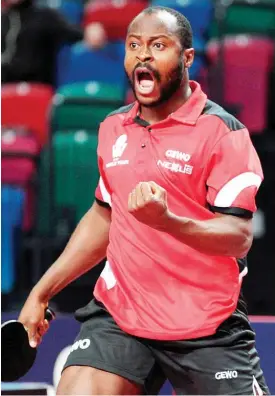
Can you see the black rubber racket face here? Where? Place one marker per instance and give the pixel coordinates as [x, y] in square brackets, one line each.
[17, 356]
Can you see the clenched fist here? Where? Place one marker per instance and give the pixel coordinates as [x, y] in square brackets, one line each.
[148, 204]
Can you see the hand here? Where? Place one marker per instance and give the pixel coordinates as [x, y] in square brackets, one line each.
[95, 35]
[148, 204]
[32, 317]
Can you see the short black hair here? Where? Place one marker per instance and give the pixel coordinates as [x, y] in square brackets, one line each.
[184, 27]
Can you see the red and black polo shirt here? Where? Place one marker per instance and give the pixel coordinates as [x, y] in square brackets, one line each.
[153, 285]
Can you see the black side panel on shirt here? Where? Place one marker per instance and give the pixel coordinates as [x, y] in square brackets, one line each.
[102, 203]
[123, 109]
[242, 305]
[212, 108]
[242, 263]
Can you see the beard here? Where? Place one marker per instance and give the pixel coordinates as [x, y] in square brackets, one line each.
[174, 82]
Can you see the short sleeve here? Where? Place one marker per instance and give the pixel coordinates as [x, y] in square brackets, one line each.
[234, 175]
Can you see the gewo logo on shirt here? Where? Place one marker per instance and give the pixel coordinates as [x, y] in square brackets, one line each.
[176, 166]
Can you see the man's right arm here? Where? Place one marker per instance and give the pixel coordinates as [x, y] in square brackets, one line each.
[85, 249]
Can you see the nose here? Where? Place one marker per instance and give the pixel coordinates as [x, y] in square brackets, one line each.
[144, 55]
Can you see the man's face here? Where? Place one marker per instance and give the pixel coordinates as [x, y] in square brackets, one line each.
[154, 59]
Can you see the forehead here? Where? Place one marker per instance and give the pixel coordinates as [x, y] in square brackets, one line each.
[160, 22]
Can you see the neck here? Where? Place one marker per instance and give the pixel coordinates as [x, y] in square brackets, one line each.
[162, 111]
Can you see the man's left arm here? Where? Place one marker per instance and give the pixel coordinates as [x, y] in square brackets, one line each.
[224, 235]
[234, 175]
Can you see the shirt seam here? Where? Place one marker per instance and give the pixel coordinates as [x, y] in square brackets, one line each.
[172, 336]
[226, 134]
[218, 141]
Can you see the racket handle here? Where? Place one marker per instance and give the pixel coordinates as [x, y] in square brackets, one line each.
[49, 314]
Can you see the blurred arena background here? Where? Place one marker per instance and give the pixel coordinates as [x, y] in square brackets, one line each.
[56, 91]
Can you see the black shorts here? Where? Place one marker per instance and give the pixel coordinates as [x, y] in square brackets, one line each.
[226, 363]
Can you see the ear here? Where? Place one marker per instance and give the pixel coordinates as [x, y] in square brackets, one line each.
[189, 55]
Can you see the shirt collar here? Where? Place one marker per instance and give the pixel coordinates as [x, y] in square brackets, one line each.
[188, 113]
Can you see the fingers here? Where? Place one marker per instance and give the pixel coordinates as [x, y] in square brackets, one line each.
[134, 197]
[153, 186]
[140, 198]
[157, 190]
[43, 328]
[144, 194]
[141, 195]
[34, 337]
[131, 202]
[146, 190]
[36, 332]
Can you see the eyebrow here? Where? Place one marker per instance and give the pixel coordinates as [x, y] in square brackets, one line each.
[151, 37]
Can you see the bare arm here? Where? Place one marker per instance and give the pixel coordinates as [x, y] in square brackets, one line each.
[86, 248]
[222, 236]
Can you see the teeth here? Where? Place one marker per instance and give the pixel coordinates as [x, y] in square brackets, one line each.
[142, 75]
[143, 85]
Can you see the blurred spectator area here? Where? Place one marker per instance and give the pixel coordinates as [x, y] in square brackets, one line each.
[49, 134]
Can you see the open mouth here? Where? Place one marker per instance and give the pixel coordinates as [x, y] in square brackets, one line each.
[144, 81]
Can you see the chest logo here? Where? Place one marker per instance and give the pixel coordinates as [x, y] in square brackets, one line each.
[175, 167]
[178, 155]
[180, 166]
[119, 147]
[117, 151]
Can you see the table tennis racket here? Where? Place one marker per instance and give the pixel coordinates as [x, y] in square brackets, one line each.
[16, 353]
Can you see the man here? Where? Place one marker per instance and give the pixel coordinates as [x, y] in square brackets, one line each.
[31, 37]
[173, 211]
